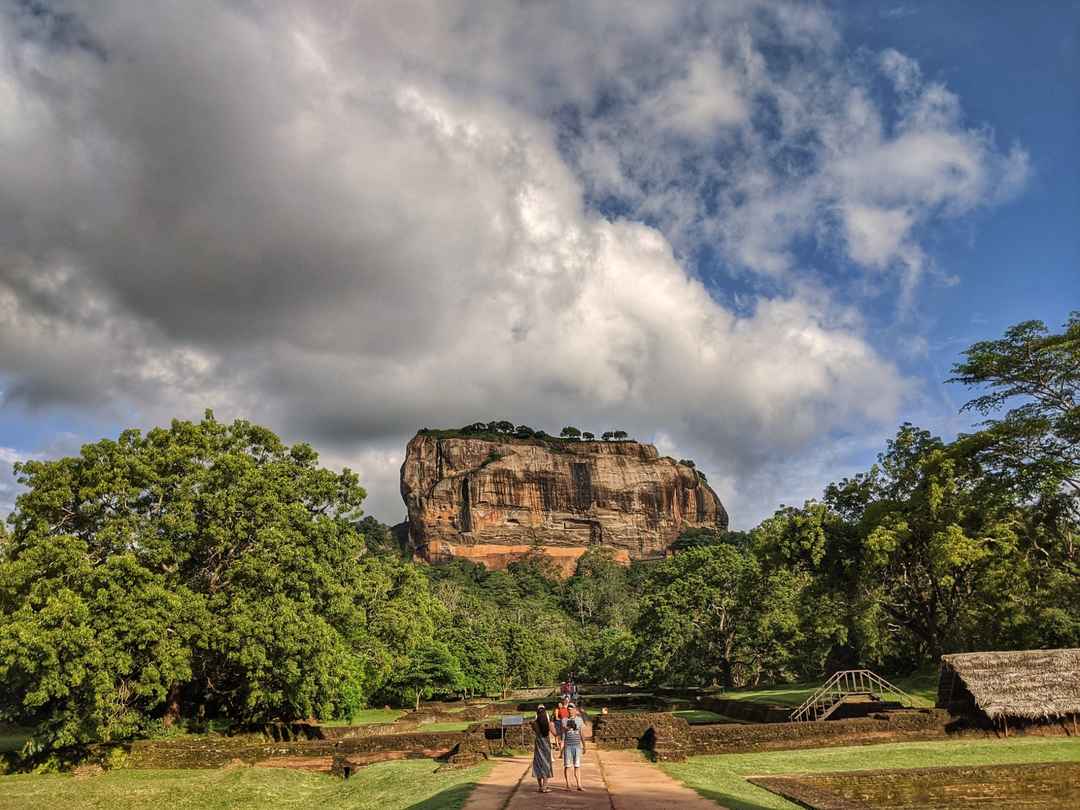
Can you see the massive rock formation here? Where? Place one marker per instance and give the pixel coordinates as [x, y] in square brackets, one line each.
[491, 501]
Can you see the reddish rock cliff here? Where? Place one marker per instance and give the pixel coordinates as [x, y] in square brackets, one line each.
[491, 501]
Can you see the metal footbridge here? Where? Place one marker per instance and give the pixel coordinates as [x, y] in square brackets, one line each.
[850, 686]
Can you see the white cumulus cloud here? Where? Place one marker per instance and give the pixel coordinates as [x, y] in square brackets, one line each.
[352, 220]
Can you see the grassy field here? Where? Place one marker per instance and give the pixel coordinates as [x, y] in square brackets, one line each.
[921, 685]
[406, 785]
[723, 778]
[700, 716]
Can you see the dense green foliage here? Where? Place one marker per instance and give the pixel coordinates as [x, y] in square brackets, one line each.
[209, 570]
[206, 564]
[500, 430]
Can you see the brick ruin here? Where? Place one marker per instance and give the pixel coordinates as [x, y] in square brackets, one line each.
[341, 750]
[672, 738]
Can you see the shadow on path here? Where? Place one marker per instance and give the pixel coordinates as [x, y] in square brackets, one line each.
[731, 802]
[451, 799]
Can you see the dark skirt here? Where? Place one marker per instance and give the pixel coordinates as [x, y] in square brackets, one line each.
[541, 758]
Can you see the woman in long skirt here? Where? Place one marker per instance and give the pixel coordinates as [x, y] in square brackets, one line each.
[541, 766]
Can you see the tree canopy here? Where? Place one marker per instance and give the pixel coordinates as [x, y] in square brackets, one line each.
[210, 570]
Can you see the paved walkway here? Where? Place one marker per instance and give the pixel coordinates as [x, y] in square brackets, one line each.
[613, 780]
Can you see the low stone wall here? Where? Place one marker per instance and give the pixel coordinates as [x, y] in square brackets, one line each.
[368, 730]
[587, 689]
[747, 710]
[626, 730]
[317, 755]
[443, 741]
[213, 752]
[985, 728]
[532, 693]
[666, 735]
[1040, 785]
[412, 721]
[496, 737]
[732, 738]
[641, 701]
[671, 737]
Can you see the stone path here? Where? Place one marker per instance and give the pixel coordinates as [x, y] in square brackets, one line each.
[613, 780]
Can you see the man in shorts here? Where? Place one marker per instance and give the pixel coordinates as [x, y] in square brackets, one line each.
[573, 746]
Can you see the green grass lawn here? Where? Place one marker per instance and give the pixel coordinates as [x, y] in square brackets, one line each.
[921, 685]
[700, 716]
[405, 785]
[723, 778]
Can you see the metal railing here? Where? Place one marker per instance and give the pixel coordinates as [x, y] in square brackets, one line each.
[844, 684]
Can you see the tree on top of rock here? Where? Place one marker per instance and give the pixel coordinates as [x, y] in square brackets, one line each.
[570, 433]
[587, 436]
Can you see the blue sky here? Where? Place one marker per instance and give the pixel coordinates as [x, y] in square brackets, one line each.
[758, 234]
[1016, 66]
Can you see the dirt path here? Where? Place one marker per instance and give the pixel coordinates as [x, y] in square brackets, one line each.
[613, 780]
[634, 783]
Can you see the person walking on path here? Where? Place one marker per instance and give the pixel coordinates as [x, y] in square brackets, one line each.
[541, 764]
[562, 714]
[573, 746]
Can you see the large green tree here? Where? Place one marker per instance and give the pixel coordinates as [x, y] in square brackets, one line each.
[1034, 376]
[599, 592]
[709, 616]
[205, 565]
[931, 538]
[1028, 386]
[431, 669]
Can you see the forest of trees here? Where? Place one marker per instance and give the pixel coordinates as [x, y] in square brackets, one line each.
[209, 570]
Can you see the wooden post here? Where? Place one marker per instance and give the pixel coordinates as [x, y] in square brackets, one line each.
[1005, 723]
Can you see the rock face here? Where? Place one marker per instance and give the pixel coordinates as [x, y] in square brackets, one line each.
[491, 501]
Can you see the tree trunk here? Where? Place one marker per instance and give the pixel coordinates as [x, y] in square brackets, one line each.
[725, 667]
[172, 706]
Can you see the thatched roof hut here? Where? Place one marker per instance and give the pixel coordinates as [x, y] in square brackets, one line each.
[1029, 684]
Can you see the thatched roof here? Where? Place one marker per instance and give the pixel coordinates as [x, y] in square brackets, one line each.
[1026, 683]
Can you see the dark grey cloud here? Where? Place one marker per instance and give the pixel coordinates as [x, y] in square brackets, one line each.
[350, 220]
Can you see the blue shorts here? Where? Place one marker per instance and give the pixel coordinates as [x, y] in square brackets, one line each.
[571, 755]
